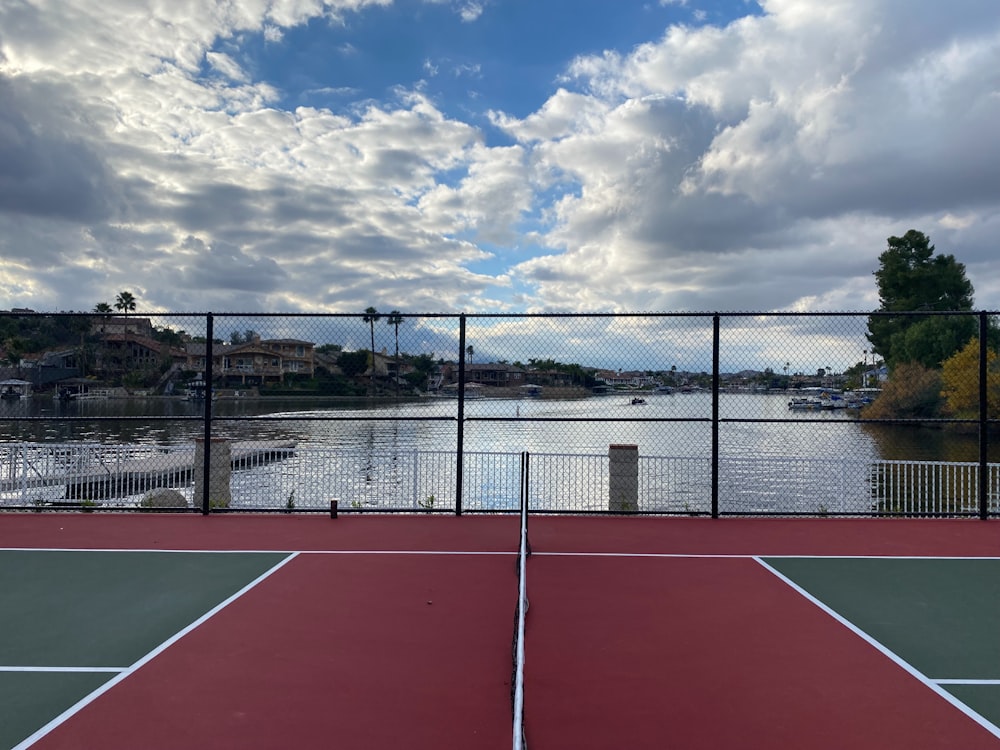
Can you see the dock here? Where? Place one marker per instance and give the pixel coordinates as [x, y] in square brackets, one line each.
[111, 471]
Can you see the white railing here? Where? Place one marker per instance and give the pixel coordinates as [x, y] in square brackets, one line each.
[306, 478]
[932, 487]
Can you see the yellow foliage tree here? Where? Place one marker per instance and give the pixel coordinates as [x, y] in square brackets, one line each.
[960, 382]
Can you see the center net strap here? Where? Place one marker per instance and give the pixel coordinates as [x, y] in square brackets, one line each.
[520, 613]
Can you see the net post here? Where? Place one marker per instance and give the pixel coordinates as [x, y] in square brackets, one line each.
[333, 509]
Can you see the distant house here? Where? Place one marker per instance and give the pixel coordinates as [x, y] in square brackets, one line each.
[121, 351]
[633, 379]
[57, 365]
[121, 324]
[501, 375]
[253, 363]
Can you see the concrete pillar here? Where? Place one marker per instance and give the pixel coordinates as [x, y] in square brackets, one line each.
[623, 479]
[220, 469]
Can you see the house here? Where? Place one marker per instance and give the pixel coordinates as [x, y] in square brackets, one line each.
[121, 324]
[131, 351]
[633, 379]
[253, 363]
[495, 374]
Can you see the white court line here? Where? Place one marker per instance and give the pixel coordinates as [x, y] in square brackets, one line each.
[269, 551]
[966, 682]
[900, 662]
[540, 553]
[83, 702]
[61, 669]
[748, 556]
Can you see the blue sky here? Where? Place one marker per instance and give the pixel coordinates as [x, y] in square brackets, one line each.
[491, 155]
[508, 58]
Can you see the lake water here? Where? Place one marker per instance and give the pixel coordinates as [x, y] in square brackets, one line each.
[583, 425]
[773, 459]
[668, 424]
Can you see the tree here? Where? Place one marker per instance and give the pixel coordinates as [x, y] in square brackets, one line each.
[423, 367]
[395, 319]
[470, 351]
[913, 392]
[960, 382]
[104, 310]
[932, 340]
[911, 278]
[125, 303]
[352, 363]
[371, 317]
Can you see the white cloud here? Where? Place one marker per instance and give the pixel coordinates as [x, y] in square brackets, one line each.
[720, 149]
[471, 11]
[759, 165]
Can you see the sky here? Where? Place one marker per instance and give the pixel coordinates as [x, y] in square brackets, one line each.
[491, 155]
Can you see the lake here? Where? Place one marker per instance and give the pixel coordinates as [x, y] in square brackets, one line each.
[772, 458]
[668, 424]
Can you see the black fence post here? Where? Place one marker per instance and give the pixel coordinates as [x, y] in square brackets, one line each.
[461, 415]
[207, 463]
[984, 439]
[715, 415]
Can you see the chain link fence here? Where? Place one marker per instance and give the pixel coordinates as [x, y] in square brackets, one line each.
[688, 414]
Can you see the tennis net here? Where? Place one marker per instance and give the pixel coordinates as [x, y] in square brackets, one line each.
[520, 613]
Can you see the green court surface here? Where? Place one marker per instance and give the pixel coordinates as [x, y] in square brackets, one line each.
[73, 620]
[941, 616]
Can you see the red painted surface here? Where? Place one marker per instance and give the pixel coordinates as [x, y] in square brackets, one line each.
[329, 652]
[703, 654]
[687, 536]
[343, 650]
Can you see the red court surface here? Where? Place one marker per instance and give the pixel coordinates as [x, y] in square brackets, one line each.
[395, 632]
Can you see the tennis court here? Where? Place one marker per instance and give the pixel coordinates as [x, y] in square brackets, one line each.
[163, 631]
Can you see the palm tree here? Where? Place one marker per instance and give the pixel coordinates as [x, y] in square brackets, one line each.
[104, 310]
[470, 351]
[125, 303]
[370, 317]
[395, 319]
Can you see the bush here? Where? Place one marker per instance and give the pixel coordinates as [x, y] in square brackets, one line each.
[912, 392]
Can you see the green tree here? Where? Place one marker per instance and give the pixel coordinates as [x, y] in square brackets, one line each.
[16, 347]
[371, 317]
[395, 319]
[125, 303]
[423, 367]
[169, 336]
[911, 278]
[104, 310]
[353, 363]
[930, 340]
